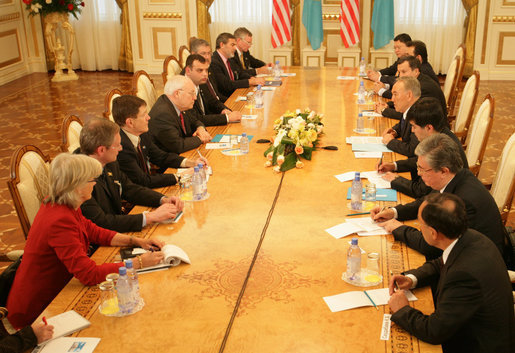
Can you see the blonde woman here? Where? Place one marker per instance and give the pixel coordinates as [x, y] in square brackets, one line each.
[57, 244]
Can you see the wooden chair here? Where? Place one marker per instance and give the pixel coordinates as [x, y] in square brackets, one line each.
[171, 67]
[184, 52]
[466, 107]
[70, 133]
[28, 183]
[450, 85]
[481, 127]
[461, 52]
[143, 87]
[503, 185]
[108, 103]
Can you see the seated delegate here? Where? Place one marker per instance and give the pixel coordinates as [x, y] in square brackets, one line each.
[57, 244]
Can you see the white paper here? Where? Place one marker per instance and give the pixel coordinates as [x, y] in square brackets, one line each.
[376, 155]
[364, 139]
[343, 229]
[267, 88]
[217, 145]
[374, 177]
[288, 74]
[241, 98]
[67, 323]
[345, 176]
[249, 117]
[366, 224]
[225, 139]
[69, 344]
[356, 299]
[374, 232]
[346, 78]
[371, 114]
[385, 329]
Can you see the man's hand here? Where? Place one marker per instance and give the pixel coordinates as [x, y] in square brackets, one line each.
[387, 138]
[385, 167]
[150, 259]
[254, 81]
[391, 225]
[202, 160]
[173, 200]
[146, 244]
[42, 331]
[202, 134]
[165, 212]
[381, 215]
[262, 70]
[234, 117]
[398, 301]
[403, 282]
[379, 107]
[378, 86]
[226, 111]
[389, 176]
[373, 75]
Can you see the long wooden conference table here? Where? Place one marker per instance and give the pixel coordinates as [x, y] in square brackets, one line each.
[261, 261]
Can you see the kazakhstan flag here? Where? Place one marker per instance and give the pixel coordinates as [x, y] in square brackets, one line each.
[382, 23]
[312, 20]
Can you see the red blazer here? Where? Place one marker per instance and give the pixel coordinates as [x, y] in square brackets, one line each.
[56, 250]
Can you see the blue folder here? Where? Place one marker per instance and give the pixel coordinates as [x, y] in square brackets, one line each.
[381, 194]
[218, 137]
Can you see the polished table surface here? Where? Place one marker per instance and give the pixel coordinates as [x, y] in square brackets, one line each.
[261, 260]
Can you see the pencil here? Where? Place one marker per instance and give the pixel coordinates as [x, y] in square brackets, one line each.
[368, 296]
[395, 282]
[357, 214]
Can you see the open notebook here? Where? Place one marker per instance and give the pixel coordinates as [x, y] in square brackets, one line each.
[173, 257]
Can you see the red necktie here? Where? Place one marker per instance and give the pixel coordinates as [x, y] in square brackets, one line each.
[182, 123]
[230, 71]
[142, 160]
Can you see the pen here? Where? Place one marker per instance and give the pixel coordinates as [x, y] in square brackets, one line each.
[395, 282]
[200, 154]
[44, 320]
[357, 214]
[151, 248]
[368, 296]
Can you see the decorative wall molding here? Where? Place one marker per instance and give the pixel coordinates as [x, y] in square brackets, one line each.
[162, 15]
[503, 19]
[9, 17]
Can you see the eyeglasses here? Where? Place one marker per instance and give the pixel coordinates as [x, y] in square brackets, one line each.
[191, 93]
[420, 169]
[248, 43]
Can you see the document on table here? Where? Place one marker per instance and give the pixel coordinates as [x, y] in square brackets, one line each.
[375, 155]
[381, 194]
[347, 78]
[363, 226]
[69, 344]
[373, 177]
[288, 74]
[226, 138]
[249, 117]
[371, 114]
[370, 147]
[364, 139]
[217, 145]
[356, 299]
[268, 88]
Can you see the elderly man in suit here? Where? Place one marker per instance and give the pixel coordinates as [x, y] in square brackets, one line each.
[100, 139]
[243, 61]
[406, 92]
[225, 76]
[211, 111]
[175, 127]
[440, 166]
[410, 66]
[473, 300]
[130, 113]
[210, 88]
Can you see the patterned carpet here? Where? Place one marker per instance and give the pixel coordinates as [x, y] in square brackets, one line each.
[34, 108]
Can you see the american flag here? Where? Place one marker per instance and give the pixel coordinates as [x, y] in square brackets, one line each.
[281, 25]
[349, 22]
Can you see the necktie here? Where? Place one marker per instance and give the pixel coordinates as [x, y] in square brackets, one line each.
[182, 123]
[211, 89]
[242, 61]
[230, 71]
[402, 123]
[142, 159]
[201, 102]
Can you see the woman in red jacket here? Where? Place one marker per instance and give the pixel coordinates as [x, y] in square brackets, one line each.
[59, 238]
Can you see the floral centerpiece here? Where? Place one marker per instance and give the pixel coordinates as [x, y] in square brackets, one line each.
[44, 7]
[296, 136]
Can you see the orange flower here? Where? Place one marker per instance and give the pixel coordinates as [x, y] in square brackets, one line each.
[299, 164]
[299, 150]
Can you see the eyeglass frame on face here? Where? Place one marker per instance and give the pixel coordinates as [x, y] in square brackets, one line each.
[249, 44]
[192, 94]
[420, 169]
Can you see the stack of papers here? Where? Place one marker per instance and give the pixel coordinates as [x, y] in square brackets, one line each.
[356, 299]
[364, 139]
[372, 176]
[363, 226]
[381, 195]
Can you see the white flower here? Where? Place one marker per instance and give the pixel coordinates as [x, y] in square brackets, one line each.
[311, 126]
[311, 115]
[320, 128]
[297, 111]
[35, 7]
[277, 169]
[280, 134]
[268, 164]
[48, 1]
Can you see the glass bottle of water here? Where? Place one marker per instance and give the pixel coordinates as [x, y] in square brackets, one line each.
[277, 70]
[203, 175]
[123, 292]
[362, 93]
[356, 195]
[133, 281]
[360, 123]
[353, 261]
[362, 67]
[258, 97]
[196, 182]
[244, 143]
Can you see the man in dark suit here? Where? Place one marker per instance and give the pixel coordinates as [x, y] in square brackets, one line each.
[473, 301]
[425, 118]
[243, 61]
[400, 47]
[100, 139]
[175, 127]
[207, 106]
[441, 168]
[130, 113]
[210, 88]
[406, 92]
[410, 66]
[224, 75]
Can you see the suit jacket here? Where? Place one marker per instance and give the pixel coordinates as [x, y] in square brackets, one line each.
[408, 141]
[390, 70]
[166, 130]
[206, 103]
[251, 64]
[425, 68]
[132, 166]
[225, 85]
[212, 103]
[428, 88]
[482, 214]
[416, 187]
[105, 206]
[474, 304]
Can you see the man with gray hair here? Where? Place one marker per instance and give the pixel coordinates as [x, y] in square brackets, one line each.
[243, 61]
[441, 167]
[174, 125]
[203, 48]
[406, 92]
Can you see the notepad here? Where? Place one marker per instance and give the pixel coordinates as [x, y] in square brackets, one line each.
[357, 299]
[370, 147]
[69, 344]
[381, 194]
[66, 324]
[173, 256]
[362, 226]
[364, 139]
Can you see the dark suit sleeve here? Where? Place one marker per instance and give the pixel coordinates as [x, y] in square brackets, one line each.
[413, 239]
[459, 300]
[254, 62]
[211, 103]
[387, 94]
[120, 223]
[409, 210]
[169, 136]
[19, 341]
[161, 158]
[214, 119]
[404, 148]
[413, 188]
[391, 70]
[407, 165]
[392, 114]
[225, 85]
[137, 194]
[129, 165]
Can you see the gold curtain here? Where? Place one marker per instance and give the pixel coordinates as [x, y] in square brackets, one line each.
[203, 19]
[295, 24]
[470, 34]
[125, 59]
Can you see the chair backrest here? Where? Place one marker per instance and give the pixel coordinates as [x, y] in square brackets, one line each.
[28, 183]
[171, 67]
[503, 186]
[108, 103]
[143, 87]
[70, 133]
[450, 90]
[478, 137]
[466, 108]
[184, 52]
[461, 52]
